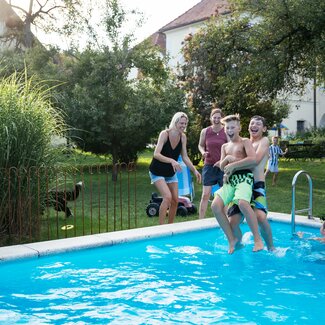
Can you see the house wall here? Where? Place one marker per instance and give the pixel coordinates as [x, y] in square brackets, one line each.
[302, 108]
[175, 41]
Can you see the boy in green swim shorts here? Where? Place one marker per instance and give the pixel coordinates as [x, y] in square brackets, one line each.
[238, 182]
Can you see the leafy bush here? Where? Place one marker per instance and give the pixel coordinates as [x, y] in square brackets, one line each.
[316, 135]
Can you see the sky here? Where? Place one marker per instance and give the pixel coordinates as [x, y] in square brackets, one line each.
[157, 13]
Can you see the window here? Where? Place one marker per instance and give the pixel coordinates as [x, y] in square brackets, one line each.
[300, 126]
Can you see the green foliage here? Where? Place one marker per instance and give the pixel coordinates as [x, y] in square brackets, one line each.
[214, 72]
[27, 123]
[107, 110]
[110, 112]
[193, 136]
[289, 36]
[316, 135]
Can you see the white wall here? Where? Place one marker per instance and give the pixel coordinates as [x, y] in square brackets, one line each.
[175, 40]
[302, 109]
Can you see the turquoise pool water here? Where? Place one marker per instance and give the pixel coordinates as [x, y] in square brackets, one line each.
[183, 279]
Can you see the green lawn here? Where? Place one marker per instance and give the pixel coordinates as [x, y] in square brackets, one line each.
[96, 214]
[279, 196]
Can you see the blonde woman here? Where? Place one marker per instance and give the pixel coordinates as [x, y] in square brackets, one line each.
[171, 143]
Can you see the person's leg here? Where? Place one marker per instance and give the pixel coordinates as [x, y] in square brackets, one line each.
[217, 207]
[265, 228]
[274, 178]
[166, 194]
[235, 221]
[173, 187]
[251, 219]
[242, 196]
[206, 192]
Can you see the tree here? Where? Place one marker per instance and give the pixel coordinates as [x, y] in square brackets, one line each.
[214, 72]
[47, 15]
[110, 111]
[292, 31]
[243, 62]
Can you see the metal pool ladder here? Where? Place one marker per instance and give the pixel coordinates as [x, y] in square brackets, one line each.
[293, 207]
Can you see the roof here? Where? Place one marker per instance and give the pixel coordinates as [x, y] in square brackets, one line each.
[159, 39]
[200, 12]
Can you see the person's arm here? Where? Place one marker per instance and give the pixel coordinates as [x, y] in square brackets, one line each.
[187, 160]
[322, 229]
[247, 162]
[201, 145]
[163, 136]
[224, 158]
[262, 150]
[281, 152]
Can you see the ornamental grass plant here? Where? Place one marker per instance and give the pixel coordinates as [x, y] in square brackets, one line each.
[28, 121]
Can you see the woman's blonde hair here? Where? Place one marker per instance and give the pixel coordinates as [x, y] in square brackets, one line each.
[176, 119]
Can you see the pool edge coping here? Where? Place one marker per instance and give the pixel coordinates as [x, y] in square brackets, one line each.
[44, 248]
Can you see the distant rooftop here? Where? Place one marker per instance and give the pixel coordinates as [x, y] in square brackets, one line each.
[200, 12]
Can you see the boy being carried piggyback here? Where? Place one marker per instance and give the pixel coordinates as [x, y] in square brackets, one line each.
[238, 182]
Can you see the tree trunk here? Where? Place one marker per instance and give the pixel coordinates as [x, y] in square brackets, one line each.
[28, 36]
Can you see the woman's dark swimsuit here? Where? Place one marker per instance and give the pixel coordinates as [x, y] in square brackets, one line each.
[160, 168]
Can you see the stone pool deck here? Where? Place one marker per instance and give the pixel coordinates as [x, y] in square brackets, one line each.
[39, 249]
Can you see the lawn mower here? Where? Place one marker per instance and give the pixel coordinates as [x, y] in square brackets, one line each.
[185, 206]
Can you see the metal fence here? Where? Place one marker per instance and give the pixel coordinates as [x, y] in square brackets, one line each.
[38, 204]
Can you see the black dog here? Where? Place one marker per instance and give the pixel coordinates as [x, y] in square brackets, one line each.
[58, 199]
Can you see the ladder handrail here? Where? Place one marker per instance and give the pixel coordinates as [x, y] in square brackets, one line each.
[293, 208]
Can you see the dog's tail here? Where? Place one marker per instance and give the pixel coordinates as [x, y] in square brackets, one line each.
[73, 195]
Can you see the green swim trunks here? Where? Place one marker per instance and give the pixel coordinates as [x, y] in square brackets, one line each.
[239, 187]
[258, 200]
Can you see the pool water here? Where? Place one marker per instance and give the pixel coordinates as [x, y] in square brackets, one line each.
[183, 279]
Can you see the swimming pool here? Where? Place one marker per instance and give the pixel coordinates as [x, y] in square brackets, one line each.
[187, 279]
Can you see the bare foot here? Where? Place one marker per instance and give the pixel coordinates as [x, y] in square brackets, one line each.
[271, 248]
[300, 234]
[258, 246]
[232, 246]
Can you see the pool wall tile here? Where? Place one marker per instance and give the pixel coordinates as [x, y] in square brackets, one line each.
[67, 244]
[299, 219]
[8, 253]
[35, 250]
